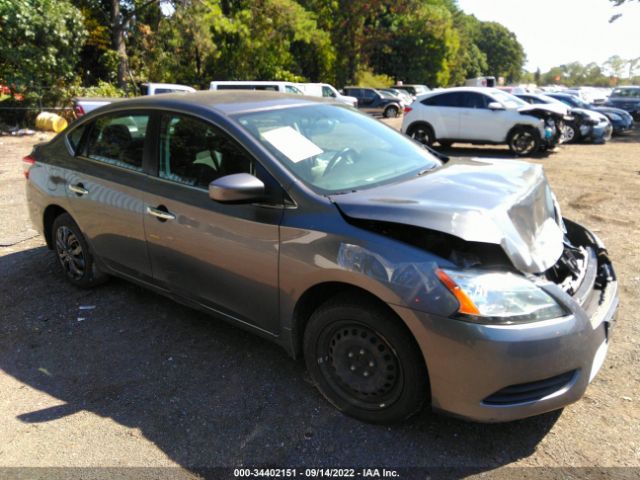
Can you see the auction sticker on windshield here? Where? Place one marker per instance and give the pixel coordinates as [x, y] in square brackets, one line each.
[292, 144]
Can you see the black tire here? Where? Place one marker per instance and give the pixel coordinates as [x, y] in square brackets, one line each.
[391, 111]
[422, 132]
[364, 361]
[571, 133]
[73, 253]
[523, 141]
[444, 144]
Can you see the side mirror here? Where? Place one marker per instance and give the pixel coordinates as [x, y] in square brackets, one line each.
[239, 187]
[495, 106]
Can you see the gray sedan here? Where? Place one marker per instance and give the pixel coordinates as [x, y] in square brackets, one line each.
[403, 278]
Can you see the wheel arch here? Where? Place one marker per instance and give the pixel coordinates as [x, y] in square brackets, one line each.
[49, 216]
[318, 294]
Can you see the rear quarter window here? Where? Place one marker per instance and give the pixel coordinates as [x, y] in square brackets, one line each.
[74, 137]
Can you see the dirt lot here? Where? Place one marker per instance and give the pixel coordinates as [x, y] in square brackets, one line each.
[141, 381]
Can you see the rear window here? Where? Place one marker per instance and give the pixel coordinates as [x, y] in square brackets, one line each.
[118, 140]
[443, 100]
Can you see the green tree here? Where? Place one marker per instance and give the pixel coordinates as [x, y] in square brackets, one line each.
[41, 41]
[421, 45]
[505, 55]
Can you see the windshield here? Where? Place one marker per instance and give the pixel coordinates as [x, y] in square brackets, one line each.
[334, 149]
[508, 100]
[578, 102]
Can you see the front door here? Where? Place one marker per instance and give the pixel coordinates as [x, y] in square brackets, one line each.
[223, 256]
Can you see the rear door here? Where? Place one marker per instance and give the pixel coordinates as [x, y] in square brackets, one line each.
[223, 256]
[443, 113]
[105, 187]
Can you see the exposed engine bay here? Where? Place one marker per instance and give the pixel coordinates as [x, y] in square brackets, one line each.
[554, 123]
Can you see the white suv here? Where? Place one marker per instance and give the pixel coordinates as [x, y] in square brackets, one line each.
[482, 116]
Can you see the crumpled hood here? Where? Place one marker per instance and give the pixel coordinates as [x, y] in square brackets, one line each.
[504, 202]
[558, 109]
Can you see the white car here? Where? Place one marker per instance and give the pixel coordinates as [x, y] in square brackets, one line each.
[327, 91]
[482, 116]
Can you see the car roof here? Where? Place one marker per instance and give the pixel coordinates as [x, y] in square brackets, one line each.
[489, 90]
[227, 102]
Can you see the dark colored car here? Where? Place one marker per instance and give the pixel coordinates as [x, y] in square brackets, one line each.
[620, 119]
[626, 98]
[585, 125]
[374, 102]
[402, 279]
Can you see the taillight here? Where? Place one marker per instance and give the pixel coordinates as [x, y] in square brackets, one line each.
[27, 163]
[78, 110]
[407, 109]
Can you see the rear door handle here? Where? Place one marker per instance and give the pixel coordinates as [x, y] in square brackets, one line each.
[78, 189]
[161, 213]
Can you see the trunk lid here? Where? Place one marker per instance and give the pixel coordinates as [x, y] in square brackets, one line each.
[503, 202]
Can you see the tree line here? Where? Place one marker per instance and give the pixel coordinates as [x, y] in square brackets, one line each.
[614, 71]
[117, 44]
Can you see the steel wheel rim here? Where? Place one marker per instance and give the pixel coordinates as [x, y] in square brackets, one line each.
[70, 253]
[523, 142]
[360, 365]
[392, 112]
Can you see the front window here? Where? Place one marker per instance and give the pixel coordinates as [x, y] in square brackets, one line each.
[508, 100]
[335, 149]
[292, 89]
[194, 152]
[327, 92]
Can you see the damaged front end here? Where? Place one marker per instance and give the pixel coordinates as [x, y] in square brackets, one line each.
[554, 124]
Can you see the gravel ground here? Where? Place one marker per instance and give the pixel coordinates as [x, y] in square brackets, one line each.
[138, 380]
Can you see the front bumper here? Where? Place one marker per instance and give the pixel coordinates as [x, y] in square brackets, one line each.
[622, 126]
[497, 373]
[600, 133]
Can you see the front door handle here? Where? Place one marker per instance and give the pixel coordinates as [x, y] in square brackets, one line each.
[78, 189]
[161, 213]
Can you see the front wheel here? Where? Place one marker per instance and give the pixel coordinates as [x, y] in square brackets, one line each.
[523, 141]
[570, 133]
[364, 361]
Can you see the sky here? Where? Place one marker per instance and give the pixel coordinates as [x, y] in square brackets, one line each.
[554, 32]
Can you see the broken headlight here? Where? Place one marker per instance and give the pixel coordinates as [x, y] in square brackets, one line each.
[500, 298]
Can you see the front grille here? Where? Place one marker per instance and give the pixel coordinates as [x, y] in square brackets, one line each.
[530, 392]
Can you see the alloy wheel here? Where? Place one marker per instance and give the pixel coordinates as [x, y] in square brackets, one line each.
[70, 253]
[523, 142]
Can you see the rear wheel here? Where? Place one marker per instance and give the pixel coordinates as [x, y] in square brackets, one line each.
[391, 111]
[73, 255]
[422, 133]
[523, 141]
[364, 361]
